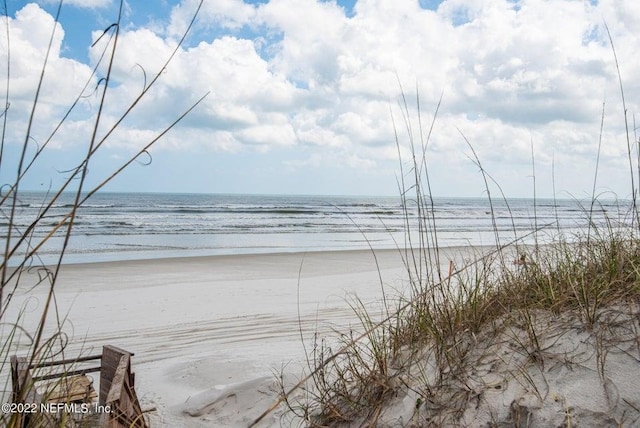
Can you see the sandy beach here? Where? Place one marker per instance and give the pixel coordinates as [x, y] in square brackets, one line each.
[202, 324]
[201, 184]
[211, 335]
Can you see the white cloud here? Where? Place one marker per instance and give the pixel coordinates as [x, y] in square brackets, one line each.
[30, 34]
[227, 14]
[312, 34]
[302, 75]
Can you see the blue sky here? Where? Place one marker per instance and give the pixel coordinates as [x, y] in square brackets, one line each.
[303, 94]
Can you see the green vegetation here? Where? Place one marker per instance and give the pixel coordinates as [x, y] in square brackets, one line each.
[524, 335]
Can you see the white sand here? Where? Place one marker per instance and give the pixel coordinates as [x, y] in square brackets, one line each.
[199, 325]
[581, 378]
[209, 334]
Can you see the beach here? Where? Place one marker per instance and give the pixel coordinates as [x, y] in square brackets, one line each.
[198, 325]
[213, 337]
[246, 214]
[216, 329]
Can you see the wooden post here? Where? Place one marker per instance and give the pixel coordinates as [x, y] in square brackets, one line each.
[24, 391]
[117, 390]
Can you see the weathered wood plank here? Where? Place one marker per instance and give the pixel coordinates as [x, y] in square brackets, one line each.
[69, 389]
[109, 364]
[67, 373]
[67, 361]
[116, 388]
[118, 380]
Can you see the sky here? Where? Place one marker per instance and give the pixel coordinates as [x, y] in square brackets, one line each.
[325, 97]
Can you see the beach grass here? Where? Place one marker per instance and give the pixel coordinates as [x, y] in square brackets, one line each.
[437, 339]
[538, 334]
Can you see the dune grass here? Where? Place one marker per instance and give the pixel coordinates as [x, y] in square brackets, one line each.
[434, 339]
[508, 320]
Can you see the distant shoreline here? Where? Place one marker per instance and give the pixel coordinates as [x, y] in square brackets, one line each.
[281, 254]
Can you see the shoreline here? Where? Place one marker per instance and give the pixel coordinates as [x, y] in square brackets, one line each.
[178, 258]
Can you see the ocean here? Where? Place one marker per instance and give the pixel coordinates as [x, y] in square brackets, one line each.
[125, 226]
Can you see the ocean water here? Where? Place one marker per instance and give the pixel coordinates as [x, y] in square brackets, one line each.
[123, 226]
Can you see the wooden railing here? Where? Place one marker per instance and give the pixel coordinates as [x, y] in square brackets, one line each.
[117, 406]
[117, 390]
